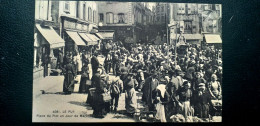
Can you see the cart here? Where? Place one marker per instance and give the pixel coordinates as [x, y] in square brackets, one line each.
[217, 107]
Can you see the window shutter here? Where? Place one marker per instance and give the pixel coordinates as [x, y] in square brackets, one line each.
[115, 18]
[126, 18]
[107, 18]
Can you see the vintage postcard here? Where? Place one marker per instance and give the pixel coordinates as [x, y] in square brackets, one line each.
[109, 61]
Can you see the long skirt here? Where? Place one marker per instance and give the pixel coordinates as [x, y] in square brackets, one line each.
[185, 109]
[99, 107]
[83, 88]
[160, 114]
[68, 84]
[130, 101]
[170, 109]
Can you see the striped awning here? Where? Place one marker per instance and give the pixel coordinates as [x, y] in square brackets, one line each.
[188, 36]
[213, 38]
[107, 35]
[99, 36]
[87, 39]
[51, 36]
[92, 37]
[76, 38]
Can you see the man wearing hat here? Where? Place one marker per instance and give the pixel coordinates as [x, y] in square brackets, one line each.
[94, 63]
[185, 95]
[97, 103]
[149, 89]
[123, 75]
[201, 101]
[60, 60]
[197, 80]
[115, 65]
[174, 83]
[69, 74]
[108, 62]
[180, 76]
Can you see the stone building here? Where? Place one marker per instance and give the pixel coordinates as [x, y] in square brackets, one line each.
[193, 20]
[126, 19]
[61, 27]
[46, 39]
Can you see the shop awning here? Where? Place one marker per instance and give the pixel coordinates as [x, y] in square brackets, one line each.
[107, 35]
[51, 36]
[86, 38]
[95, 37]
[213, 38]
[92, 37]
[188, 36]
[99, 36]
[76, 38]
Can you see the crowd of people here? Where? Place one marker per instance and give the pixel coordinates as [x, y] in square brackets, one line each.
[187, 85]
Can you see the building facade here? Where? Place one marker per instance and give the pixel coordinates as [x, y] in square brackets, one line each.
[62, 27]
[161, 13]
[75, 16]
[46, 39]
[126, 19]
[193, 20]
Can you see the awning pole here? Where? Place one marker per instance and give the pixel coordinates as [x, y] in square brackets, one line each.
[175, 50]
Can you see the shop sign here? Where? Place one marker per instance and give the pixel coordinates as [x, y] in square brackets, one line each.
[68, 24]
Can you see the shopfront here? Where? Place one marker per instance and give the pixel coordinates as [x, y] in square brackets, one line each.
[47, 43]
[193, 39]
[74, 43]
[89, 42]
[213, 40]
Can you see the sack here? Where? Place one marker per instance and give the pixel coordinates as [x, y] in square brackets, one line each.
[106, 97]
[88, 82]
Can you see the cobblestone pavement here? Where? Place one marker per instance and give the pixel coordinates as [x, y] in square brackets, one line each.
[53, 106]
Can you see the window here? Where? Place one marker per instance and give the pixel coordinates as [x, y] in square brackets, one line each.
[206, 7]
[158, 18]
[121, 18]
[189, 8]
[210, 6]
[77, 10]
[162, 8]
[94, 12]
[89, 14]
[162, 18]
[187, 27]
[181, 9]
[67, 6]
[110, 18]
[84, 11]
[214, 23]
[217, 7]
[101, 17]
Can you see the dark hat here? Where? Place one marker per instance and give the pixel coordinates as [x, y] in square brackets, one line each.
[185, 83]
[69, 59]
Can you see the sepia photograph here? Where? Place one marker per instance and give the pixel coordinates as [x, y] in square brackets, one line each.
[110, 61]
